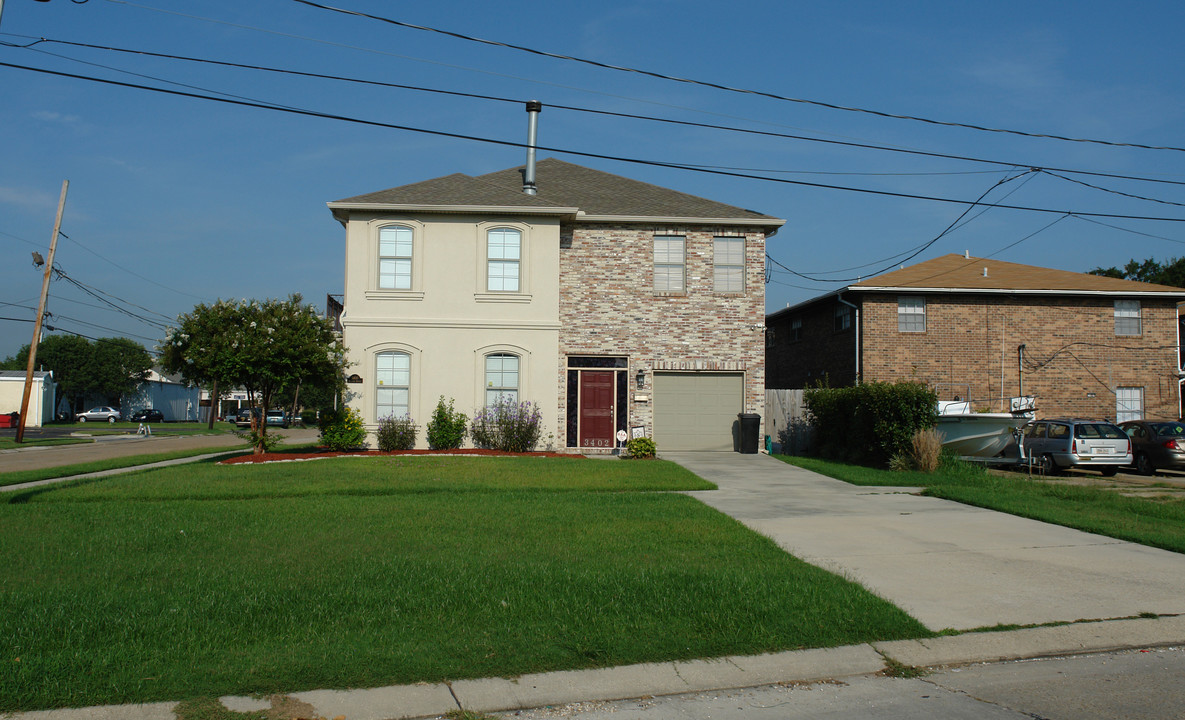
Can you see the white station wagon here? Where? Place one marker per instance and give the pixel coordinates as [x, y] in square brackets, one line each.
[1063, 443]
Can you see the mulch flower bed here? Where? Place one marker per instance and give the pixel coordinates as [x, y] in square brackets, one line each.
[321, 453]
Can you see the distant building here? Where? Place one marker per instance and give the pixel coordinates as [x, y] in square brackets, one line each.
[42, 400]
[985, 331]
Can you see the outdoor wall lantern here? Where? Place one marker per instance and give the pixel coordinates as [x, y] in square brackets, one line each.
[641, 378]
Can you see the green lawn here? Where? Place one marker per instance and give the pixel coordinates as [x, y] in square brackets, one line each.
[1155, 522]
[208, 580]
[17, 477]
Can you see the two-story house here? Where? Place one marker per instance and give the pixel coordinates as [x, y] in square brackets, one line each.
[986, 331]
[613, 305]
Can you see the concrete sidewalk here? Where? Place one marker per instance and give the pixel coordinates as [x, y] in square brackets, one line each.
[949, 565]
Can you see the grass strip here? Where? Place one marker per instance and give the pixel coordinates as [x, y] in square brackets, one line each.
[7, 443]
[1154, 522]
[461, 569]
[23, 476]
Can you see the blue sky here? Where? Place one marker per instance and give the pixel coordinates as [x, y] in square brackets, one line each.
[175, 200]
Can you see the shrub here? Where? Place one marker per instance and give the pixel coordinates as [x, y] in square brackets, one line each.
[342, 429]
[641, 448]
[396, 433]
[266, 442]
[507, 425]
[447, 428]
[870, 423]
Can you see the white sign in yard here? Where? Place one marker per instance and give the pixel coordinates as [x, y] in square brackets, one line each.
[621, 436]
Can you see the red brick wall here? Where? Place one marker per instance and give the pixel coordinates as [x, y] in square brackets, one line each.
[608, 307]
[823, 354]
[1073, 360]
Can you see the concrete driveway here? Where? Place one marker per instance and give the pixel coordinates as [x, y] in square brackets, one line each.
[949, 565]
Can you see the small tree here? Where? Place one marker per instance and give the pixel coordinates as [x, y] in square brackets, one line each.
[447, 428]
[262, 346]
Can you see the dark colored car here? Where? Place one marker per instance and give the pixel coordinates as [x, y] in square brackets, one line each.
[1156, 444]
[243, 418]
[1071, 442]
[148, 415]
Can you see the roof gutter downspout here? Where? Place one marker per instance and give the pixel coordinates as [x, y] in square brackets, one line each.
[534, 107]
[856, 324]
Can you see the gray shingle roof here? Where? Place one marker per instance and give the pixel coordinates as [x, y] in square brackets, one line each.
[560, 185]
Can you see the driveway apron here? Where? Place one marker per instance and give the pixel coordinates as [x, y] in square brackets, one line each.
[951, 566]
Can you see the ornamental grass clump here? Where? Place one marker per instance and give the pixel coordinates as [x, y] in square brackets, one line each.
[447, 428]
[396, 433]
[507, 425]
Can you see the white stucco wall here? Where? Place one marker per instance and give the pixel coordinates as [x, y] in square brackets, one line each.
[448, 322]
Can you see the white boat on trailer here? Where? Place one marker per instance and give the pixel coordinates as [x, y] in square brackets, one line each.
[982, 436]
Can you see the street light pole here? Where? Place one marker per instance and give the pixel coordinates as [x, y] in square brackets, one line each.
[53, 246]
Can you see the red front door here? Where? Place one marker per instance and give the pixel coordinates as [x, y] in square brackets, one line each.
[596, 409]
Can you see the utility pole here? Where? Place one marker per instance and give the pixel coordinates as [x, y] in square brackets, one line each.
[53, 246]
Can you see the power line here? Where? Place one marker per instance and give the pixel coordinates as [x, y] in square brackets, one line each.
[573, 108]
[601, 156]
[717, 86]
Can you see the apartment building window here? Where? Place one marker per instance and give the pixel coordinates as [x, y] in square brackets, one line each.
[795, 329]
[843, 317]
[503, 258]
[395, 258]
[1127, 317]
[911, 314]
[1129, 403]
[669, 264]
[392, 384]
[728, 263]
[501, 378]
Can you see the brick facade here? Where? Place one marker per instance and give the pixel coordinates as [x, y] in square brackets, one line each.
[608, 307]
[1073, 361]
[816, 351]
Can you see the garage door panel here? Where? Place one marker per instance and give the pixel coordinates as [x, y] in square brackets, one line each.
[697, 411]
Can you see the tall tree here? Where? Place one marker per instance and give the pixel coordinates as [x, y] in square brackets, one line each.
[1171, 272]
[109, 367]
[263, 347]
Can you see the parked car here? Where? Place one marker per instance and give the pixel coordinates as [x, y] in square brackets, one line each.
[277, 417]
[1156, 445]
[1061, 443]
[243, 418]
[148, 415]
[101, 413]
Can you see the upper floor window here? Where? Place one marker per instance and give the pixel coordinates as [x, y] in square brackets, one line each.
[728, 263]
[503, 259]
[795, 329]
[668, 264]
[911, 314]
[392, 384]
[501, 378]
[395, 251]
[1127, 317]
[843, 317]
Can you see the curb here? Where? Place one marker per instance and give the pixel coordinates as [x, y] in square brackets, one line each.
[405, 702]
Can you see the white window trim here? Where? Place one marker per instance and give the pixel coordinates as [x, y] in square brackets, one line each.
[479, 367]
[1126, 409]
[742, 266]
[1126, 314]
[654, 264]
[906, 306]
[481, 292]
[369, 399]
[373, 291]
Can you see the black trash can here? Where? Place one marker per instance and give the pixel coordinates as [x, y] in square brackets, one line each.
[750, 432]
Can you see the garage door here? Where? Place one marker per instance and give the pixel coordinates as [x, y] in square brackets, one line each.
[696, 411]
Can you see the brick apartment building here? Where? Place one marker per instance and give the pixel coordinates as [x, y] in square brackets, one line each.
[611, 304]
[985, 331]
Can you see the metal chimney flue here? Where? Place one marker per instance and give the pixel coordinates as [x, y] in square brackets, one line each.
[534, 107]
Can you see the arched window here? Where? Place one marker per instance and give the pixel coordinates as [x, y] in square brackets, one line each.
[501, 377]
[395, 257]
[392, 383]
[503, 259]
